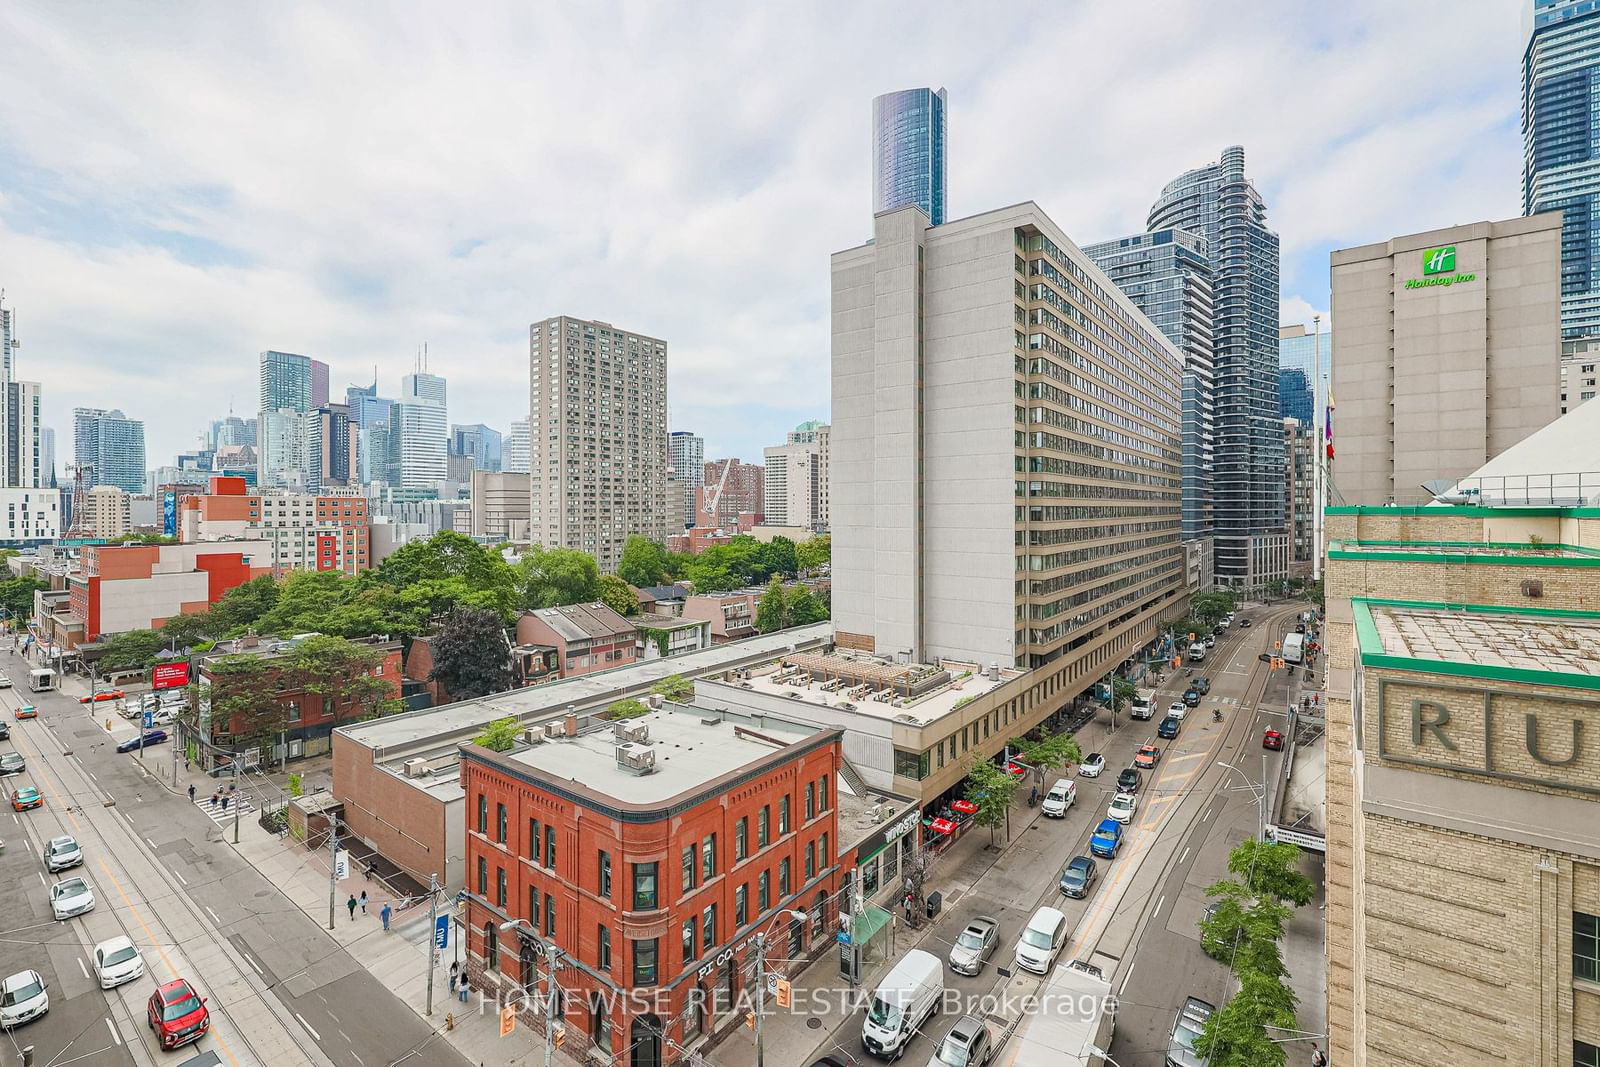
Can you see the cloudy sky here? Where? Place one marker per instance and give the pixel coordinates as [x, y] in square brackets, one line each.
[183, 185]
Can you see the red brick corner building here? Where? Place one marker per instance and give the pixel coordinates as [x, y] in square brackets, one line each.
[650, 853]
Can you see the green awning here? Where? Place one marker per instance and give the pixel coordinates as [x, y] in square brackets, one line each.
[869, 924]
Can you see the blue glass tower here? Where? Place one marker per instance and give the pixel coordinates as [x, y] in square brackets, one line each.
[1561, 146]
[908, 143]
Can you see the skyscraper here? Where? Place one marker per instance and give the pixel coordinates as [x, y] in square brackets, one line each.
[329, 450]
[482, 444]
[284, 450]
[794, 489]
[425, 387]
[288, 381]
[319, 383]
[47, 458]
[515, 458]
[231, 431]
[1167, 275]
[419, 439]
[1561, 145]
[908, 147]
[1302, 355]
[1219, 203]
[597, 430]
[112, 445]
[21, 432]
[686, 456]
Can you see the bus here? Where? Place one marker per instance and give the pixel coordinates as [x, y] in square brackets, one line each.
[1294, 649]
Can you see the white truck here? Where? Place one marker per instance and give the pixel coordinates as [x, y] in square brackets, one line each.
[1143, 706]
[1197, 652]
[1294, 648]
[1077, 1014]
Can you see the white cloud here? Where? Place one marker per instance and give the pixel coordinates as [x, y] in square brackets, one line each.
[186, 186]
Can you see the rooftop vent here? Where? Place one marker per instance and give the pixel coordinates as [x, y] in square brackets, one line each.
[553, 730]
[637, 759]
[416, 768]
[632, 731]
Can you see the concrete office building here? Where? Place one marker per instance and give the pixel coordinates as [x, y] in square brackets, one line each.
[419, 442]
[500, 505]
[1578, 360]
[111, 446]
[1219, 203]
[515, 458]
[479, 443]
[597, 430]
[1447, 354]
[1463, 867]
[969, 522]
[792, 485]
[908, 151]
[105, 512]
[686, 458]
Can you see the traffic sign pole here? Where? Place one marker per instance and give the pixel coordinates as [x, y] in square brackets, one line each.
[433, 921]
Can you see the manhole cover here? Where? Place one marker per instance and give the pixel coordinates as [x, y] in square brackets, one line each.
[814, 1023]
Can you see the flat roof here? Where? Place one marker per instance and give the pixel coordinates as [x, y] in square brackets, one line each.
[692, 746]
[1510, 553]
[409, 728]
[967, 680]
[1514, 644]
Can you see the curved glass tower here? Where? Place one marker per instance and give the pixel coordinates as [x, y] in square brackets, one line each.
[908, 140]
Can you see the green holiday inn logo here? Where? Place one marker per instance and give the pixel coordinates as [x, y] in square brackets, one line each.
[1439, 260]
[1439, 268]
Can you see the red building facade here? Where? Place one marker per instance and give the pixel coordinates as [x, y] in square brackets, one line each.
[652, 905]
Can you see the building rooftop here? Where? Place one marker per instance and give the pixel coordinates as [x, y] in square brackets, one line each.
[583, 622]
[915, 694]
[1506, 551]
[665, 622]
[1484, 642]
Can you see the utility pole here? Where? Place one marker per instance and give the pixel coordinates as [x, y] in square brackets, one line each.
[552, 954]
[761, 997]
[235, 799]
[333, 866]
[433, 922]
[1261, 835]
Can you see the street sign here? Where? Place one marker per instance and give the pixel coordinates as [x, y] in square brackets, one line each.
[772, 985]
[441, 932]
[843, 937]
[149, 719]
[341, 864]
[508, 1020]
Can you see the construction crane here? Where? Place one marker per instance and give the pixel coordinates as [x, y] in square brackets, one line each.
[78, 472]
[714, 497]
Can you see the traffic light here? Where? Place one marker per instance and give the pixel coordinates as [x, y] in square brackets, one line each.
[785, 991]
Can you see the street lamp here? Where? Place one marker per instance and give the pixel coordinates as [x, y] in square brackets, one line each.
[1259, 792]
[761, 978]
[548, 949]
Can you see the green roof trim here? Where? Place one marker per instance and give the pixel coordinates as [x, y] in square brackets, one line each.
[1428, 546]
[1372, 654]
[1588, 558]
[1476, 511]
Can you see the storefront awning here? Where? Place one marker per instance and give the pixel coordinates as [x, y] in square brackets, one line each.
[870, 923]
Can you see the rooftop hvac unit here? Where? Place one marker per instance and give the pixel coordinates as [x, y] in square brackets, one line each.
[553, 730]
[994, 670]
[654, 700]
[416, 768]
[636, 758]
[638, 732]
[532, 736]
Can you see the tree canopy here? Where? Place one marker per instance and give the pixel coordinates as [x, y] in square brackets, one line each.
[815, 552]
[469, 654]
[618, 595]
[992, 790]
[552, 577]
[500, 735]
[643, 562]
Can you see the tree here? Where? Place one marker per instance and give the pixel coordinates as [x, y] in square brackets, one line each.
[340, 672]
[802, 607]
[129, 650]
[815, 552]
[185, 631]
[16, 597]
[471, 656]
[501, 735]
[305, 600]
[1123, 693]
[244, 699]
[1210, 606]
[626, 709]
[643, 562]
[674, 687]
[1276, 587]
[1050, 751]
[992, 790]
[552, 577]
[772, 610]
[447, 571]
[1271, 870]
[618, 595]
[1236, 1035]
[244, 605]
[778, 556]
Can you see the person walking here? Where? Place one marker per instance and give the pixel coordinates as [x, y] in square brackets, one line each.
[1318, 1057]
[455, 976]
[191, 792]
[464, 990]
[224, 803]
[351, 904]
[384, 915]
[363, 902]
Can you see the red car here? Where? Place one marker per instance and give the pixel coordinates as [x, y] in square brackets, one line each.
[1272, 739]
[178, 1014]
[109, 694]
[27, 711]
[1147, 757]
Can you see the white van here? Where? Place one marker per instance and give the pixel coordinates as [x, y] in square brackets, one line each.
[1041, 941]
[1143, 706]
[1197, 652]
[1059, 799]
[904, 1000]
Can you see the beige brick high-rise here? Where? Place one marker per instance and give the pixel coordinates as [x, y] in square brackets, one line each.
[1463, 913]
[597, 436]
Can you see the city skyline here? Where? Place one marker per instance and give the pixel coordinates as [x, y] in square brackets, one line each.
[208, 255]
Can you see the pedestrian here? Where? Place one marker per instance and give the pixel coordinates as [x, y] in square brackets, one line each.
[224, 803]
[214, 798]
[384, 915]
[363, 902]
[464, 990]
[191, 792]
[455, 976]
[1318, 1057]
[351, 904]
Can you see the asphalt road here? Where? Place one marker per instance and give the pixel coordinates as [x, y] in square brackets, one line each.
[280, 991]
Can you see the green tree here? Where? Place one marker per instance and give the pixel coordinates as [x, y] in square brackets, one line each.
[1271, 870]
[552, 577]
[1049, 752]
[447, 571]
[188, 630]
[802, 607]
[992, 790]
[626, 709]
[1212, 605]
[643, 562]
[815, 552]
[244, 699]
[1236, 1035]
[1276, 587]
[143, 539]
[501, 735]
[305, 600]
[129, 650]
[618, 595]
[772, 610]
[244, 605]
[340, 672]
[1123, 693]
[16, 597]
[778, 556]
[471, 655]
[674, 687]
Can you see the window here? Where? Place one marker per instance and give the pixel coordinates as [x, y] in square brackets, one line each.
[764, 892]
[741, 838]
[491, 948]
[550, 847]
[783, 814]
[1585, 1054]
[688, 940]
[708, 928]
[811, 860]
[691, 864]
[605, 874]
[644, 887]
[708, 856]
[741, 906]
[500, 823]
[483, 878]
[644, 962]
[763, 826]
[822, 793]
[500, 887]
[483, 814]
[783, 879]
[910, 764]
[549, 915]
[533, 906]
[1585, 947]
[811, 801]
[600, 1023]
[533, 840]
[603, 958]
[827, 857]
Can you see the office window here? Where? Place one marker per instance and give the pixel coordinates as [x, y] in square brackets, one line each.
[764, 892]
[811, 860]
[1585, 947]
[483, 814]
[741, 838]
[763, 826]
[549, 915]
[783, 879]
[605, 874]
[500, 823]
[691, 865]
[603, 957]
[688, 940]
[645, 896]
[1585, 1054]
[483, 878]
[533, 840]
[708, 856]
[741, 906]
[822, 793]
[708, 928]
[550, 847]
[827, 857]
[783, 814]
[500, 887]
[811, 801]
[644, 961]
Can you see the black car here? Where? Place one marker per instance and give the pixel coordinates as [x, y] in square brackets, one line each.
[151, 737]
[1168, 728]
[1244, 624]
[1201, 685]
[1191, 697]
[1078, 877]
[5, 731]
[1265, 657]
[1128, 780]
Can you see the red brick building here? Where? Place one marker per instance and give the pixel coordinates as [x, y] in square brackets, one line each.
[731, 489]
[586, 637]
[312, 532]
[649, 853]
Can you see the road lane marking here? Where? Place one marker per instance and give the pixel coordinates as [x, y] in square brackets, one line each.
[248, 959]
[307, 1025]
[82, 968]
[113, 1028]
[42, 881]
[1127, 977]
[213, 914]
[357, 1055]
[151, 843]
[179, 875]
[1157, 913]
[1184, 856]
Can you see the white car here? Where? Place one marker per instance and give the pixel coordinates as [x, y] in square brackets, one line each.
[116, 961]
[1092, 765]
[22, 997]
[71, 897]
[1178, 709]
[1122, 807]
[5, 681]
[61, 853]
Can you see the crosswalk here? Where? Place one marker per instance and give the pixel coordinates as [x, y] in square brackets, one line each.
[219, 814]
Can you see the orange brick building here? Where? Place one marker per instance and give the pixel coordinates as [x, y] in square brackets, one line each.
[329, 532]
[118, 588]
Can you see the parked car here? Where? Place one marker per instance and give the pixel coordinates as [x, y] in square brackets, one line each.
[117, 961]
[1185, 1029]
[1041, 941]
[1059, 799]
[151, 737]
[975, 945]
[5, 731]
[1147, 757]
[1168, 728]
[968, 1044]
[71, 897]
[177, 1014]
[1106, 839]
[1201, 685]
[12, 763]
[61, 853]
[27, 711]
[1273, 740]
[5, 681]
[99, 698]
[1129, 779]
[26, 797]
[1092, 765]
[1223, 624]
[1211, 640]
[22, 997]
[1123, 805]
[1078, 876]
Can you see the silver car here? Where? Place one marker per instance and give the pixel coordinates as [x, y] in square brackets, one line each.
[61, 853]
[967, 1045]
[71, 897]
[12, 763]
[1186, 1030]
[974, 945]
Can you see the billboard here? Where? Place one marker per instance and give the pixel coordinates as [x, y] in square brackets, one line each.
[169, 512]
[169, 676]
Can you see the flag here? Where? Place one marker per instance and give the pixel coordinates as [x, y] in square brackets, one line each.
[1327, 424]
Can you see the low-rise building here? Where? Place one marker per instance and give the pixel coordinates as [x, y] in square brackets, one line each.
[322, 532]
[587, 637]
[730, 489]
[29, 516]
[669, 635]
[117, 588]
[104, 513]
[500, 505]
[732, 615]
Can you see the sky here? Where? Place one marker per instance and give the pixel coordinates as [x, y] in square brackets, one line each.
[185, 185]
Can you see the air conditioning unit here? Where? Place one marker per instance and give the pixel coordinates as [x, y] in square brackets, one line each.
[636, 758]
[654, 700]
[416, 768]
[553, 730]
[532, 737]
[637, 732]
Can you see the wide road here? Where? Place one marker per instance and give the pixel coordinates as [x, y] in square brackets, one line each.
[281, 992]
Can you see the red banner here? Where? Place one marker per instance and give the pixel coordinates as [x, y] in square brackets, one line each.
[169, 676]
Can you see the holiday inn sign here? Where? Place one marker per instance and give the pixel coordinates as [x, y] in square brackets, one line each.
[1439, 268]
